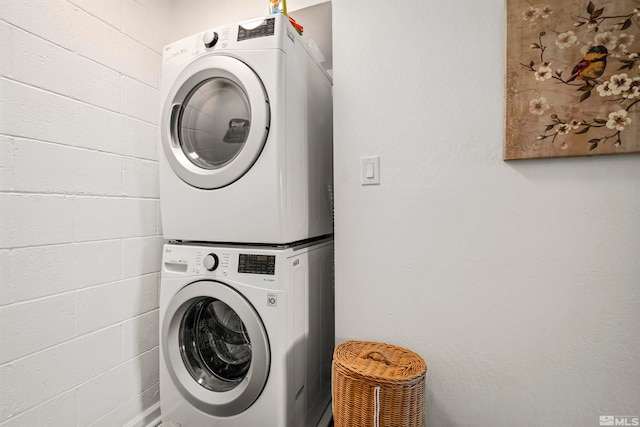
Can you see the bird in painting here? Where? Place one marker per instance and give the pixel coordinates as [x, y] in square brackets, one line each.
[592, 65]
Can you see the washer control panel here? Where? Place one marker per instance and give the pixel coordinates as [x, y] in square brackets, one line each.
[257, 264]
[249, 265]
[220, 262]
[209, 261]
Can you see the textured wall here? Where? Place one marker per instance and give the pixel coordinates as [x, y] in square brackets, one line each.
[518, 282]
[79, 218]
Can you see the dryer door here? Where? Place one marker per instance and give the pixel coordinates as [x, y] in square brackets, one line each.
[216, 348]
[215, 121]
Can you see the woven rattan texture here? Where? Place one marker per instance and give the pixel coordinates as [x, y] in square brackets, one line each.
[377, 384]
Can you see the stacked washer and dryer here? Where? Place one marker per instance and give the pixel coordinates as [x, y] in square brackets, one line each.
[246, 293]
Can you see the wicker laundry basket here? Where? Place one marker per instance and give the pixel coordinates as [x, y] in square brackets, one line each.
[377, 385]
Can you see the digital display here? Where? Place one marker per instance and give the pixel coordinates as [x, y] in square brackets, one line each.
[257, 264]
[267, 28]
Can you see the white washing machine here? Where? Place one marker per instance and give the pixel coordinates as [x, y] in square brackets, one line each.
[246, 133]
[246, 335]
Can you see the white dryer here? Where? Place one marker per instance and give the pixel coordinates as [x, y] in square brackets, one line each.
[246, 335]
[246, 133]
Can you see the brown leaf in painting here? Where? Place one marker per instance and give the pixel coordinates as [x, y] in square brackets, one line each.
[597, 13]
[585, 130]
[585, 96]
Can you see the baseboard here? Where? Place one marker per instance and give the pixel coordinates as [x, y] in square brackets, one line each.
[149, 418]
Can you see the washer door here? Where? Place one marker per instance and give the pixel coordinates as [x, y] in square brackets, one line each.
[215, 121]
[216, 348]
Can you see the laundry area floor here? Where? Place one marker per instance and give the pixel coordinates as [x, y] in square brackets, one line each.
[328, 425]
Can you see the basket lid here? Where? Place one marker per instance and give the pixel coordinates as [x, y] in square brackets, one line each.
[380, 361]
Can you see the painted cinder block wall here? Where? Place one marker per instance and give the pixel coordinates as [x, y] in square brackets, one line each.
[80, 237]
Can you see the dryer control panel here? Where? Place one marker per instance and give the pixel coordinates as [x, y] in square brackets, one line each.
[265, 29]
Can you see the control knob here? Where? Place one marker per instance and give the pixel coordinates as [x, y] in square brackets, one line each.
[210, 38]
[211, 262]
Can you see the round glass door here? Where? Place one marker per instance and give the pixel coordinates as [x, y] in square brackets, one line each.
[215, 121]
[215, 347]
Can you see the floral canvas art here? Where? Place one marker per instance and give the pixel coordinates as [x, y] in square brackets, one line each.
[573, 78]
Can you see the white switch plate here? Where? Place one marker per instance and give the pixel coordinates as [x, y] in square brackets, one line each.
[370, 170]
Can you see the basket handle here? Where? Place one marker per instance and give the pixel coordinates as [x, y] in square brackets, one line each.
[386, 358]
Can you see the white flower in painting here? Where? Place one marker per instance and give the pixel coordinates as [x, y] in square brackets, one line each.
[637, 11]
[634, 89]
[619, 83]
[544, 73]
[633, 56]
[531, 14]
[563, 128]
[619, 51]
[618, 120]
[633, 92]
[626, 39]
[545, 12]
[575, 124]
[566, 39]
[538, 106]
[605, 89]
[606, 39]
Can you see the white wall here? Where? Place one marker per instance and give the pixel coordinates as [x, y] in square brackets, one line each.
[518, 282]
[79, 218]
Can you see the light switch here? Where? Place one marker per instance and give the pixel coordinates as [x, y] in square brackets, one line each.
[370, 170]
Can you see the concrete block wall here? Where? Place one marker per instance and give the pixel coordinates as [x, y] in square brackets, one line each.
[80, 237]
